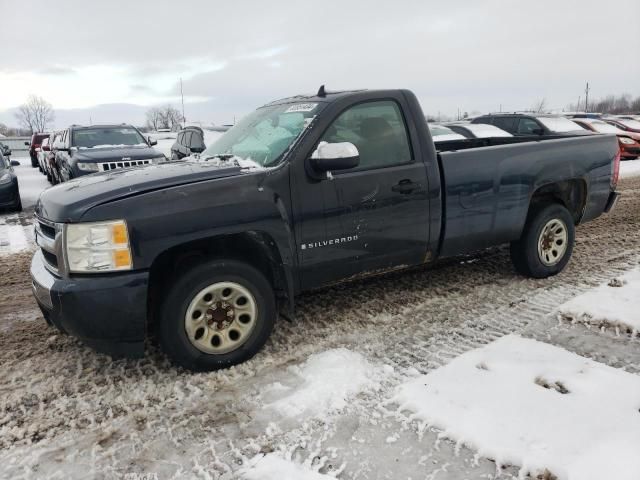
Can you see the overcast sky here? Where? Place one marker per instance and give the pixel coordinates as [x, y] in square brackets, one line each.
[235, 55]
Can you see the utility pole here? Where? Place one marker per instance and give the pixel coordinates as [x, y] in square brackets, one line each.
[182, 97]
[578, 104]
[500, 108]
[586, 98]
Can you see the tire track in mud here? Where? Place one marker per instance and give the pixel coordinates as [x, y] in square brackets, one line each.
[132, 413]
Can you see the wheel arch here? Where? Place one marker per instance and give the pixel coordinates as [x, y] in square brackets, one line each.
[571, 193]
[258, 248]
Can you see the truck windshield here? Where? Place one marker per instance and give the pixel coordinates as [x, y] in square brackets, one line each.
[264, 135]
[107, 138]
[559, 124]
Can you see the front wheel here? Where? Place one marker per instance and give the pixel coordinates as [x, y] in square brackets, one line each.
[546, 244]
[217, 314]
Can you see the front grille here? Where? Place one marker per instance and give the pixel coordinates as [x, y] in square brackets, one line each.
[49, 239]
[50, 258]
[107, 166]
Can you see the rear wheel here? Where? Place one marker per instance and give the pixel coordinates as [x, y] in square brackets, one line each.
[217, 314]
[34, 162]
[546, 244]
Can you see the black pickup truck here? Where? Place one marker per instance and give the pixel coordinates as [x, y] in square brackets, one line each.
[304, 192]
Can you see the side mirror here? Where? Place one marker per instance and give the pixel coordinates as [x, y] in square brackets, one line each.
[335, 156]
[152, 142]
[15, 163]
[28, 144]
[538, 131]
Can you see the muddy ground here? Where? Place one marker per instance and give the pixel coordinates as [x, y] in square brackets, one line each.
[68, 411]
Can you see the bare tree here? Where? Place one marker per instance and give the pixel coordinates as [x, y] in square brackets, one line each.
[154, 118]
[4, 130]
[36, 114]
[540, 105]
[170, 117]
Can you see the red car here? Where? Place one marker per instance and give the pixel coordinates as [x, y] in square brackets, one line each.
[36, 142]
[624, 124]
[629, 141]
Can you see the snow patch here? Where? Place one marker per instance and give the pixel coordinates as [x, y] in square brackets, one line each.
[324, 383]
[629, 168]
[615, 303]
[527, 403]
[272, 467]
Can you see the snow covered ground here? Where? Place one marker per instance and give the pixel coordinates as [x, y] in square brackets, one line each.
[323, 399]
[527, 403]
[629, 168]
[614, 304]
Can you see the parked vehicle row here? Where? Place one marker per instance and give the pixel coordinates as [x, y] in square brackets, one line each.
[629, 141]
[496, 125]
[306, 191]
[81, 150]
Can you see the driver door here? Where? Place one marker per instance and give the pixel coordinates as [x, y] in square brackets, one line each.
[366, 219]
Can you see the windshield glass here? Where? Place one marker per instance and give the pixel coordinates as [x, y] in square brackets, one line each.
[559, 124]
[604, 127]
[107, 137]
[265, 134]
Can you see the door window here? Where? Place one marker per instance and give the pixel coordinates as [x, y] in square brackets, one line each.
[377, 129]
[180, 138]
[528, 126]
[505, 123]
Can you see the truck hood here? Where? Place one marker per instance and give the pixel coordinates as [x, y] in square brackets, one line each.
[115, 154]
[68, 201]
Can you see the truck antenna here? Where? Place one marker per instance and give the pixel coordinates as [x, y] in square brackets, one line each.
[321, 92]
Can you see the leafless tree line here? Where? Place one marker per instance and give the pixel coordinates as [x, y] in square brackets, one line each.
[164, 117]
[614, 104]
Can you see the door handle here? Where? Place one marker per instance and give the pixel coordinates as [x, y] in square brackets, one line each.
[405, 186]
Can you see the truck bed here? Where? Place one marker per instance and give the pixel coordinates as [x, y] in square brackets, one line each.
[488, 184]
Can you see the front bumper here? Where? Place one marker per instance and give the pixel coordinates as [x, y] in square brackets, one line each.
[106, 312]
[611, 201]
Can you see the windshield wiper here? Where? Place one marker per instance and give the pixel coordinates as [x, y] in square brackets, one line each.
[221, 156]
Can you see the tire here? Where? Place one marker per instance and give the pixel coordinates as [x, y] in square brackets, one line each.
[200, 351]
[17, 207]
[543, 249]
[34, 162]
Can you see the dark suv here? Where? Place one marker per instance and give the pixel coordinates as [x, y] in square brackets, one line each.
[527, 124]
[101, 148]
[190, 140]
[34, 144]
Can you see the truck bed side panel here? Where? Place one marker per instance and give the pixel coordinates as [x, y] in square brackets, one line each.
[488, 190]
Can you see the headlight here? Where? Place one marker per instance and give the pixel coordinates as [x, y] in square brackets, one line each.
[98, 247]
[88, 166]
[5, 178]
[626, 140]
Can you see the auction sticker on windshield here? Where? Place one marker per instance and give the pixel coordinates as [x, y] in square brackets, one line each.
[301, 107]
